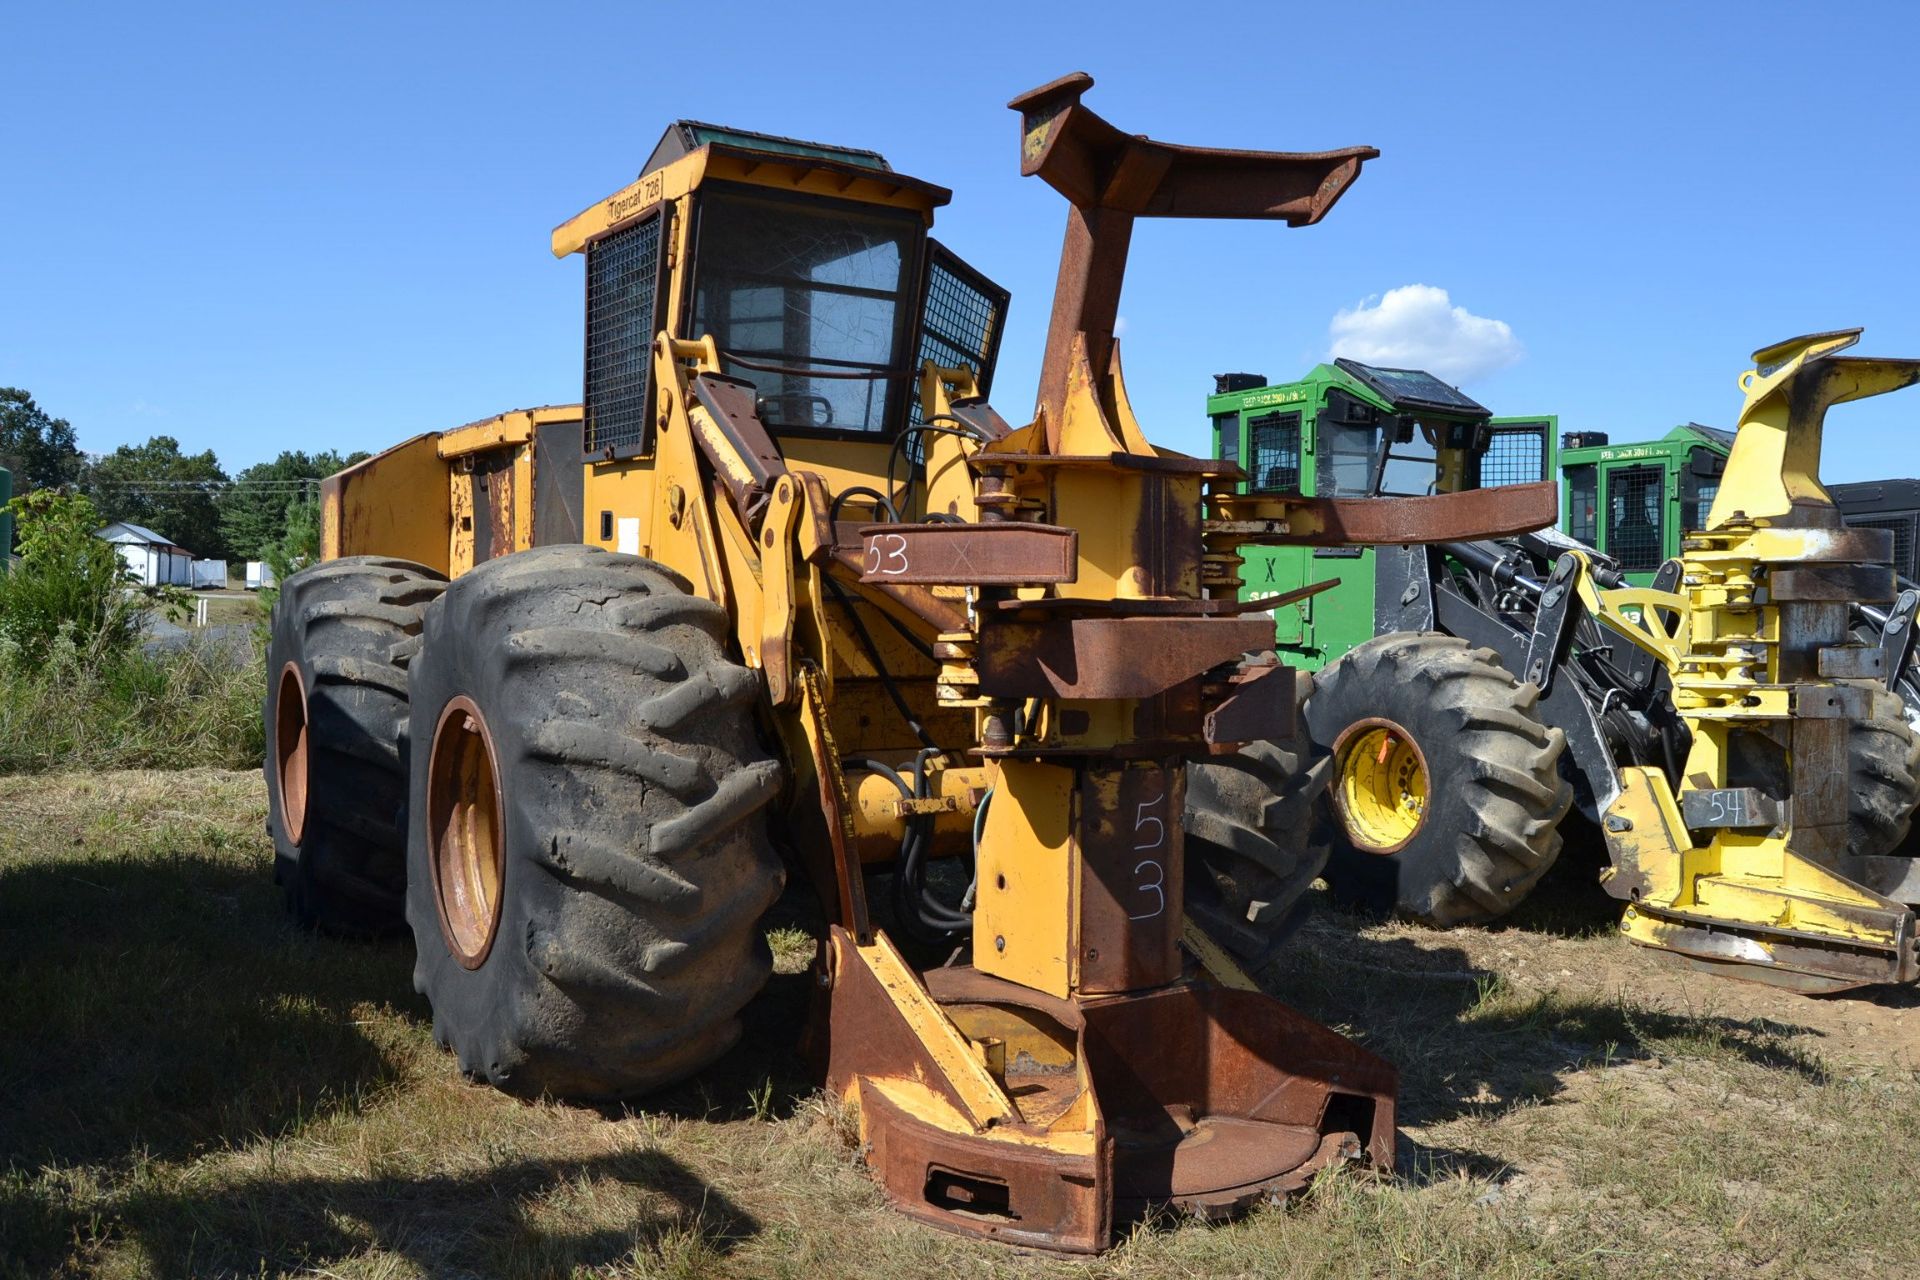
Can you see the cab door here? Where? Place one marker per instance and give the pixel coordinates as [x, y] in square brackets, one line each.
[1273, 463]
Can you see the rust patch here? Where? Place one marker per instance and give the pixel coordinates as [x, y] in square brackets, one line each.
[1111, 177]
[1259, 704]
[1116, 657]
[1131, 876]
[1240, 1056]
[1007, 553]
[493, 475]
[1468, 516]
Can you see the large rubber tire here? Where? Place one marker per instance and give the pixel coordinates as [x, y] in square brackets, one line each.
[634, 858]
[1883, 777]
[1494, 795]
[1257, 839]
[341, 633]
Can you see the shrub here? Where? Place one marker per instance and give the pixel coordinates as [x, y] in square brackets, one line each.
[67, 582]
[196, 706]
[77, 690]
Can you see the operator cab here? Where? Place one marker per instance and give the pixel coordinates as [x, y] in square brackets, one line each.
[1371, 452]
[1353, 430]
[810, 265]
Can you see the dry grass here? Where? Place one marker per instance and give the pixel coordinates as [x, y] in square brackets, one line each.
[232, 607]
[194, 1088]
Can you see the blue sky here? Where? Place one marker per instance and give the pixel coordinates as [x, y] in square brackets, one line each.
[272, 226]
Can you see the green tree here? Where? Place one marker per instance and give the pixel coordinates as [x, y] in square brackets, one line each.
[36, 446]
[156, 485]
[253, 510]
[297, 547]
[67, 580]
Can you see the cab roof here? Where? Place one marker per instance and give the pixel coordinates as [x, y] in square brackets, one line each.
[691, 152]
[1413, 390]
[1404, 391]
[684, 137]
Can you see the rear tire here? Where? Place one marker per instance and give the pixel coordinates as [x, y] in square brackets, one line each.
[1883, 778]
[604, 933]
[1257, 839]
[336, 717]
[1485, 825]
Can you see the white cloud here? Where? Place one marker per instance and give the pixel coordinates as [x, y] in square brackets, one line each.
[1416, 326]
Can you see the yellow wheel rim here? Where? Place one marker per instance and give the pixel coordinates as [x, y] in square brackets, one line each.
[1380, 785]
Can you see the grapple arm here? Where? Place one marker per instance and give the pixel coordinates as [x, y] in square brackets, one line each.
[1111, 178]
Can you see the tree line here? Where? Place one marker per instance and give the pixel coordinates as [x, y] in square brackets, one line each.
[189, 498]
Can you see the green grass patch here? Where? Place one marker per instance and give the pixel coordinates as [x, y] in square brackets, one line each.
[195, 1088]
[92, 709]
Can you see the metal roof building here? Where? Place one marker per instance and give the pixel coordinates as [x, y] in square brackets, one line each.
[154, 560]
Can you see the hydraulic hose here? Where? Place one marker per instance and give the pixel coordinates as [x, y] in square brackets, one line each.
[920, 913]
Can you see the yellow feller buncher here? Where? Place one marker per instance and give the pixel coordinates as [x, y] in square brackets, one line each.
[1734, 739]
[1742, 864]
[570, 681]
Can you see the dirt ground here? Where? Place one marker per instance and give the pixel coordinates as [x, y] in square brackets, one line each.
[193, 1087]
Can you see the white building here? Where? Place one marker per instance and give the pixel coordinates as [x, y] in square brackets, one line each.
[155, 562]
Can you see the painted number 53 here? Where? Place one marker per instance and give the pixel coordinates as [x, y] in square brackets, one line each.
[1149, 874]
[887, 553]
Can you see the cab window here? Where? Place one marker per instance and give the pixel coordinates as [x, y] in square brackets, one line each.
[1636, 517]
[1699, 484]
[809, 300]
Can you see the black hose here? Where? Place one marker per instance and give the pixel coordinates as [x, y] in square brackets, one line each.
[862, 491]
[933, 425]
[920, 913]
[935, 915]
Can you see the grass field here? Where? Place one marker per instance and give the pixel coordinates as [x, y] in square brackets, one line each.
[232, 606]
[191, 1087]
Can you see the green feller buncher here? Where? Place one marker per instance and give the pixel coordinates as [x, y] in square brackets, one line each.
[1472, 694]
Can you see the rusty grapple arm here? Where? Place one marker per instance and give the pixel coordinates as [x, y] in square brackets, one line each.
[1097, 1055]
[1110, 178]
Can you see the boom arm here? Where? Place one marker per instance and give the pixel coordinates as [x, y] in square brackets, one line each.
[1111, 178]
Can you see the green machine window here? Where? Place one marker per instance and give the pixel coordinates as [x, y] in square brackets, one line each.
[1273, 452]
[1515, 454]
[1699, 484]
[1583, 503]
[810, 300]
[1226, 437]
[1346, 457]
[1410, 463]
[1636, 517]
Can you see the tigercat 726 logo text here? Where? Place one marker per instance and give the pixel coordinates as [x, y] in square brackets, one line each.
[635, 198]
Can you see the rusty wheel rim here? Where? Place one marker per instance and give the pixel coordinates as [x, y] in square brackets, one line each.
[290, 751]
[464, 830]
[1380, 785]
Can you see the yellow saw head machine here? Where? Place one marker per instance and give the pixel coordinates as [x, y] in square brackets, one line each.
[786, 576]
[1743, 867]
